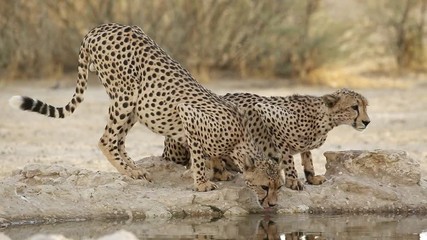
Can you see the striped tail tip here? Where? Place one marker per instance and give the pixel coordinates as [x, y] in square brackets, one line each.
[37, 106]
[17, 102]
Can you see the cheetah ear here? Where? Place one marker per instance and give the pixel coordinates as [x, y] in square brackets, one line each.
[330, 100]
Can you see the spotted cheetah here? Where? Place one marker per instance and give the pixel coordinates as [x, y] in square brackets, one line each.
[145, 84]
[285, 126]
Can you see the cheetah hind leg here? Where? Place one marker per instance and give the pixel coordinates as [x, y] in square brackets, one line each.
[139, 171]
[111, 142]
[307, 163]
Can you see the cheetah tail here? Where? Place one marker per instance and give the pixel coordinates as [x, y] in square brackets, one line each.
[33, 105]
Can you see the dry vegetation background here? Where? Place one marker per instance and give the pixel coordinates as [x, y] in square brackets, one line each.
[242, 38]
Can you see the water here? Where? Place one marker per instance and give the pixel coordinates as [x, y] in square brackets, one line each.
[289, 227]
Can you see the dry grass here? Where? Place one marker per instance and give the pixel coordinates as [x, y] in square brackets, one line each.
[378, 73]
[269, 38]
[261, 39]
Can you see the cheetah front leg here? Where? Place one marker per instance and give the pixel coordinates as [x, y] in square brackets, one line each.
[122, 149]
[112, 144]
[307, 163]
[198, 167]
[198, 159]
[291, 175]
[176, 152]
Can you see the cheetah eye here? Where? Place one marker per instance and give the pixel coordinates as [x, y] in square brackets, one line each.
[264, 187]
[355, 107]
[279, 187]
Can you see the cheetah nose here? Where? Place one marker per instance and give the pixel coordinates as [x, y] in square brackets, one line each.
[366, 123]
[271, 204]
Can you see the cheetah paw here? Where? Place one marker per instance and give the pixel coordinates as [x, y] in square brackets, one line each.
[294, 184]
[316, 180]
[223, 176]
[206, 186]
[187, 174]
[140, 174]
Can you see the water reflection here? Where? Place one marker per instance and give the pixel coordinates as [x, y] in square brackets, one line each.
[267, 229]
[289, 227]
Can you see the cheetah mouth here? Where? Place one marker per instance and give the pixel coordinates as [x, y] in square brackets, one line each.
[358, 127]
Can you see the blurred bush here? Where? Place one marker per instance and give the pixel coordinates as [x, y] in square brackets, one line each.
[41, 38]
[402, 27]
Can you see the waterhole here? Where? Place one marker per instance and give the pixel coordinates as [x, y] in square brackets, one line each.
[294, 227]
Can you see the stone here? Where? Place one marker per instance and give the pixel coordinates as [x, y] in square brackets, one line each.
[389, 167]
[235, 211]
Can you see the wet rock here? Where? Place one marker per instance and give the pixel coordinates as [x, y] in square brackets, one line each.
[235, 211]
[4, 222]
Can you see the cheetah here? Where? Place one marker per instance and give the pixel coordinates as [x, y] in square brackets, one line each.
[146, 85]
[285, 126]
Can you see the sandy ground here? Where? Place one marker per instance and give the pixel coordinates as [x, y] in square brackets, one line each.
[398, 121]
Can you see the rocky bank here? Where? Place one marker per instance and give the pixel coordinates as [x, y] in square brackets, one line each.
[358, 182]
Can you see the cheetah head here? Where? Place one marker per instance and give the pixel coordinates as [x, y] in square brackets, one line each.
[348, 107]
[263, 177]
